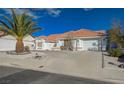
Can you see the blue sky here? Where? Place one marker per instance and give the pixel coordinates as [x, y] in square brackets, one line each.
[59, 20]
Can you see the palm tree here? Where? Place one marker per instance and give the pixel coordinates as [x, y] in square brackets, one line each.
[20, 26]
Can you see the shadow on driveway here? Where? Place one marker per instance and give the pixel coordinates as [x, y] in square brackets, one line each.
[37, 77]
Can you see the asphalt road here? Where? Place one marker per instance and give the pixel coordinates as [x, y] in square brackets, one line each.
[9, 75]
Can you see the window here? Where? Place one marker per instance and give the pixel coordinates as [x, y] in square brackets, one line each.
[94, 44]
[77, 41]
[39, 44]
[55, 45]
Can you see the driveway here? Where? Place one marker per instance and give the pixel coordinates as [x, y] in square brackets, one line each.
[23, 76]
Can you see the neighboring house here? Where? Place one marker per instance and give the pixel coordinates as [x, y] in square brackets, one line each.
[79, 40]
[46, 43]
[9, 43]
[43, 44]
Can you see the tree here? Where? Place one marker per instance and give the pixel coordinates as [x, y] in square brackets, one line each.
[68, 41]
[116, 33]
[20, 26]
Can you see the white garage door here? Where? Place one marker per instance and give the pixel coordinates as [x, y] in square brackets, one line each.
[90, 44]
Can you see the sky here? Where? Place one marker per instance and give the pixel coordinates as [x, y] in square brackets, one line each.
[60, 20]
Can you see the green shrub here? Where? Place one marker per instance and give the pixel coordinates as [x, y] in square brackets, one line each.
[115, 52]
[118, 52]
[27, 49]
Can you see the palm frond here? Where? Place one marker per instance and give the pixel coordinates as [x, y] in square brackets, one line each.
[9, 20]
[20, 26]
[14, 15]
[10, 32]
[36, 29]
[4, 24]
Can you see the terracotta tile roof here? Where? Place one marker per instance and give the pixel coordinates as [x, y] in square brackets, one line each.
[85, 33]
[78, 33]
[53, 38]
[43, 37]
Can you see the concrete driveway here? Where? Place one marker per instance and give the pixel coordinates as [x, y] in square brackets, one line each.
[24, 76]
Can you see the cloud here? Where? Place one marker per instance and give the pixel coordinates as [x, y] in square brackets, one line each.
[53, 12]
[20, 11]
[87, 9]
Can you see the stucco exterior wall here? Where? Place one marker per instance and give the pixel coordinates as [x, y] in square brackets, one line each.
[85, 44]
[79, 44]
[60, 43]
[42, 44]
[8, 43]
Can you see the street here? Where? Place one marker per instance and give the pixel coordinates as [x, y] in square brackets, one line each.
[10, 75]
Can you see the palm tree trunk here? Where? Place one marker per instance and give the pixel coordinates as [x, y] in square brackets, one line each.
[19, 46]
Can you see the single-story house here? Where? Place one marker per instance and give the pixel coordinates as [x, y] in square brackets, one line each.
[43, 44]
[79, 40]
[9, 43]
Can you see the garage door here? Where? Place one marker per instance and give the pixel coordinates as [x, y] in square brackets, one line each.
[90, 44]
